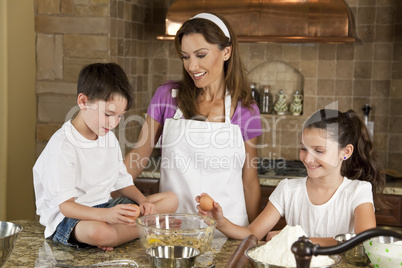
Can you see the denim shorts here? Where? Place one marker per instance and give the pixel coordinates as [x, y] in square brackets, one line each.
[66, 226]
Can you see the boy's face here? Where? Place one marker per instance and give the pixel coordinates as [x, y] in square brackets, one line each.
[100, 117]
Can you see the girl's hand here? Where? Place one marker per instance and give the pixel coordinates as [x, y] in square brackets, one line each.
[215, 213]
[271, 234]
[147, 208]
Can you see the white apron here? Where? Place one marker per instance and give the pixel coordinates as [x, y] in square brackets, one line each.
[204, 157]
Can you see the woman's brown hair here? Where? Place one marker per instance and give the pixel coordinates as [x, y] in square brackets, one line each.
[235, 76]
[348, 128]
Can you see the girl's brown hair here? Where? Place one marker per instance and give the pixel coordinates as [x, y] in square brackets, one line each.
[235, 76]
[348, 128]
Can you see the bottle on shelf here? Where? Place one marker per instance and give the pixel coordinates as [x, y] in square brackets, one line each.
[296, 107]
[254, 93]
[266, 100]
[280, 106]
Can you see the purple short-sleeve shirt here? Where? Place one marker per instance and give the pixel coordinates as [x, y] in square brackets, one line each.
[164, 106]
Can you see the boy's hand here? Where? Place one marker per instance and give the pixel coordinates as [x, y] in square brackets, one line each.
[121, 214]
[147, 208]
[216, 212]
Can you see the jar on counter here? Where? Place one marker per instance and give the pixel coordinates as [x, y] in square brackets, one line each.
[266, 100]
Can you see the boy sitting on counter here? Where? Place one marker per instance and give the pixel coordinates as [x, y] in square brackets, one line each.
[82, 164]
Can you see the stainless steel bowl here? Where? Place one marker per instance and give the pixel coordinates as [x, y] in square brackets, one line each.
[258, 264]
[172, 256]
[357, 255]
[8, 236]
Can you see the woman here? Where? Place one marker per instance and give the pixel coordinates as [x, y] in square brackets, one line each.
[208, 124]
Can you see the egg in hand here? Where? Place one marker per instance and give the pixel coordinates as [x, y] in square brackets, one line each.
[137, 212]
[206, 202]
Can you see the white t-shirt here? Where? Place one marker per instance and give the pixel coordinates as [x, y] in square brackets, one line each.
[334, 217]
[72, 166]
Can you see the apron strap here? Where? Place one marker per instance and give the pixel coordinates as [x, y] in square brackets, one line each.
[228, 102]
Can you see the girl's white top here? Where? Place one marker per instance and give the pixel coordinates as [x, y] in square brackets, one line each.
[334, 217]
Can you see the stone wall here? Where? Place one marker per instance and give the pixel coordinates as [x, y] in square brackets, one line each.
[72, 33]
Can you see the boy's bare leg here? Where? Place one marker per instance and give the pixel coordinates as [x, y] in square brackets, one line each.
[104, 235]
[165, 202]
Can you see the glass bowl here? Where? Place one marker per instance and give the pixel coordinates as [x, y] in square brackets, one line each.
[175, 229]
[384, 251]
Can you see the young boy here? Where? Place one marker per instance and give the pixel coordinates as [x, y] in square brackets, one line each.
[82, 164]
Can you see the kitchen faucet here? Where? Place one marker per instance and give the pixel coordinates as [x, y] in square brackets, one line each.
[304, 249]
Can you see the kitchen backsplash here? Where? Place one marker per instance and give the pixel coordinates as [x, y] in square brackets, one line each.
[71, 33]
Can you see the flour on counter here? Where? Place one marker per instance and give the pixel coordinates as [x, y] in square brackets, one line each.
[278, 250]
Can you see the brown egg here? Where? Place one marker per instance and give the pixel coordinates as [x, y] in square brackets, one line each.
[137, 213]
[206, 202]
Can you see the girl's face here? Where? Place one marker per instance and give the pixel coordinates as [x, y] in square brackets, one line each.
[203, 61]
[100, 117]
[319, 154]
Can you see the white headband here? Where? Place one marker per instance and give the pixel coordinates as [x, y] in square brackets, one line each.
[214, 19]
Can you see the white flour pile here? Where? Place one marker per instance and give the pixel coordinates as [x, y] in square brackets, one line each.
[278, 250]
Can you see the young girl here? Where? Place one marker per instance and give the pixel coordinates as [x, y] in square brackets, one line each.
[337, 195]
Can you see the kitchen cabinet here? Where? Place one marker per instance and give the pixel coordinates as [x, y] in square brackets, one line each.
[147, 186]
[389, 217]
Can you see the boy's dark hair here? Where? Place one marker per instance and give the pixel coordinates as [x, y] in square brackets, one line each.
[101, 81]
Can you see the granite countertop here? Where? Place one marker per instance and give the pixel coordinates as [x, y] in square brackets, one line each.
[32, 250]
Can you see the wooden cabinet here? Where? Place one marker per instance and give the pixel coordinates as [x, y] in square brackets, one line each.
[147, 186]
[393, 215]
[389, 217]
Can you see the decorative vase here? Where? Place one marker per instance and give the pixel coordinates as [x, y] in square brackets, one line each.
[296, 107]
[280, 106]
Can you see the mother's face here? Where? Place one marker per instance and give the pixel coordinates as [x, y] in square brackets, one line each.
[203, 61]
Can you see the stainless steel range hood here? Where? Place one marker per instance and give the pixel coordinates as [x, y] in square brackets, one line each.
[280, 21]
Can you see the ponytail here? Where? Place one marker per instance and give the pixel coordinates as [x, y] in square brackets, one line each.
[363, 164]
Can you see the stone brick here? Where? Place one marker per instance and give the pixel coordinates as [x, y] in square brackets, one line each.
[56, 108]
[95, 55]
[49, 57]
[67, 7]
[48, 24]
[48, 6]
[55, 87]
[99, 1]
[85, 42]
[96, 11]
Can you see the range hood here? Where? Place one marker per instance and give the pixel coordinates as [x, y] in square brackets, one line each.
[280, 21]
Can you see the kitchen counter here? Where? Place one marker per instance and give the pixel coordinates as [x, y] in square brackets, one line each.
[32, 250]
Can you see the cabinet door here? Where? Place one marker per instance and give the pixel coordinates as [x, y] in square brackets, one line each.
[392, 216]
[147, 186]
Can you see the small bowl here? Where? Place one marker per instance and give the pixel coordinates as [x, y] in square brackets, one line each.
[172, 256]
[384, 252]
[356, 255]
[258, 264]
[176, 229]
[8, 236]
